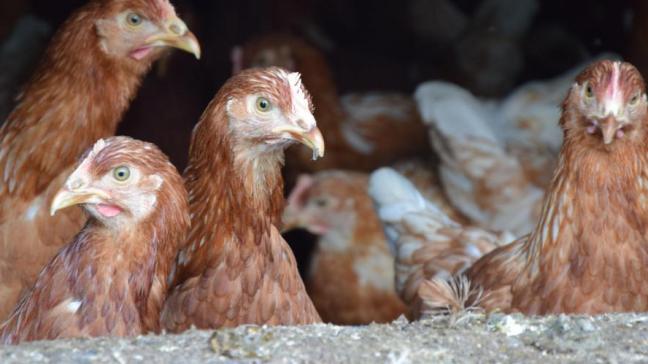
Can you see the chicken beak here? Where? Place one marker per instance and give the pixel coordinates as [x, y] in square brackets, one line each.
[66, 198]
[312, 138]
[608, 129]
[176, 35]
[290, 219]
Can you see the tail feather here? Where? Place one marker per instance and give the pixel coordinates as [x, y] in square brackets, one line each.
[454, 296]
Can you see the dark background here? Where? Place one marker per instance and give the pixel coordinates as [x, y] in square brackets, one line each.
[370, 45]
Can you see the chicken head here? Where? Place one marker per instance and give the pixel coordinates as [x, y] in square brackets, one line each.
[140, 29]
[114, 186]
[271, 109]
[607, 103]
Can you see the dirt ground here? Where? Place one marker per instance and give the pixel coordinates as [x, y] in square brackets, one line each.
[475, 338]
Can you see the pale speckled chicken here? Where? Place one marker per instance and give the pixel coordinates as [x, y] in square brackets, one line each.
[363, 131]
[351, 277]
[497, 157]
[426, 242]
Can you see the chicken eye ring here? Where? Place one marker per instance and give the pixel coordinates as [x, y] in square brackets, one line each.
[121, 173]
[263, 105]
[134, 19]
[589, 92]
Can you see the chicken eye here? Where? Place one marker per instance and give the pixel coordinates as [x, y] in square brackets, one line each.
[589, 92]
[634, 100]
[320, 202]
[263, 105]
[134, 19]
[121, 173]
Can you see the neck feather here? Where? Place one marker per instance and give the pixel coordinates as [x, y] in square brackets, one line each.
[597, 198]
[101, 258]
[232, 188]
[77, 95]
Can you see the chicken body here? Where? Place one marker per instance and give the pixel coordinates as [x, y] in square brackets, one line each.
[363, 131]
[351, 277]
[236, 268]
[587, 254]
[90, 72]
[426, 242]
[102, 282]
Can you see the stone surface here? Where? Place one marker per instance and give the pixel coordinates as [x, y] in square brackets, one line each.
[473, 338]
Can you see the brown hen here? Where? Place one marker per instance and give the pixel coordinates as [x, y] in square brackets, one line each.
[102, 283]
[236, 268]
[351, 276]
[89, 74]
[363, 131]
[589, 251]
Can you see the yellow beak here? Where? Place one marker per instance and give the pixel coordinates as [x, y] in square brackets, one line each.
[290, 219]
[66, 198]
[176, 35]
[609, 128]
[312, 138]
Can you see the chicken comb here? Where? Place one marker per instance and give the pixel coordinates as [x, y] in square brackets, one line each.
[162, 8]
[297, 88]
[91, 154]
[97, 147]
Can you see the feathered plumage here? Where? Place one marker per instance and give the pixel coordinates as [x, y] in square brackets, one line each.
[236, 268]
[89, 73]
[496, 156]
[589, 250]
[111, 279]
[427, 244]
[351, 276]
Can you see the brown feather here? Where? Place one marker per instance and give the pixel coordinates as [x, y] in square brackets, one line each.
[351, 278]
[104, 281]
[589, 251]
[77, 95]
[236, 268]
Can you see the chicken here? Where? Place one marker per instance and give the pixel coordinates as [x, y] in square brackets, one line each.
[363, 131]
[588, 253]
[496, 156]
[426, 242]
[90, 72]
[101, 283]
[480, 178]
[351, 276]
[236, 268]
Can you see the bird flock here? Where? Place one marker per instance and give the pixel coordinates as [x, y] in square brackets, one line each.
[427, 204]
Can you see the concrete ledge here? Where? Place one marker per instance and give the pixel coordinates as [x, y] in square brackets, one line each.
[473, 338]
